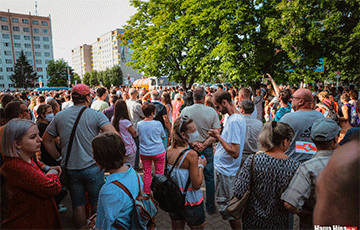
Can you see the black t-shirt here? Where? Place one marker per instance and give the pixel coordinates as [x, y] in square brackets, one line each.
[46, 158]
[160, 112]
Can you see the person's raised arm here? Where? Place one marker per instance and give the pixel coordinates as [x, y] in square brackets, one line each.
[276, 87]
[195, 169]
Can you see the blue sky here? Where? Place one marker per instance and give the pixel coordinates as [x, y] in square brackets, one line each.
[75, 22]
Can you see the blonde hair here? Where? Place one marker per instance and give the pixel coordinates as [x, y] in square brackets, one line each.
[273, 134]
[324, 94]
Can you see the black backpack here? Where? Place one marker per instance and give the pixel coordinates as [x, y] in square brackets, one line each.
[330, 111]
[166, 192]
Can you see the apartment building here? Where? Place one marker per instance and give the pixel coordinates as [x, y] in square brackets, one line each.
[108, 52]
[81, 59]
[29, 33]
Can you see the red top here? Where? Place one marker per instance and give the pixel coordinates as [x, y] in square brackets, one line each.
[32, 204]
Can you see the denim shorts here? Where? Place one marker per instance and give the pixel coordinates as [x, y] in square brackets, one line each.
[88, 180]
[193, 215]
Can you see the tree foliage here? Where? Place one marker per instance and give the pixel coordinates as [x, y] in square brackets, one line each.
[94, 81]
[309, 30]
[86, 78]
[24, 75]
[76, 78]
[55, 71]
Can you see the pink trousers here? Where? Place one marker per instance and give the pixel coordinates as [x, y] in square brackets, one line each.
[159, 161]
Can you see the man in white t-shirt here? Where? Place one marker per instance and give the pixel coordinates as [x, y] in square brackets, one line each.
[100, 103]
[228, 153]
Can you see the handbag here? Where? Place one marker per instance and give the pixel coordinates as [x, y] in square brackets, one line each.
[64, 176]
[237, 206]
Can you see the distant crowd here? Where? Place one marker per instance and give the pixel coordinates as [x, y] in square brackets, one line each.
[296, 149]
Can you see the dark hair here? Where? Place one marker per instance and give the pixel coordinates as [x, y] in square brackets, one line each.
[6, 99]
[273, 134]
[42, 109]
[322, 144]
[120, 113]
[357, 106]
[176, 138]
[113, 99]
[247, 106]
[199, 94]
[100, 92]
[285, 95]
[12, 110]
[222, 95]
[109, 151]
[167, 99]
[148, 109]
[354, 94]
[53, 104]
[41, 99]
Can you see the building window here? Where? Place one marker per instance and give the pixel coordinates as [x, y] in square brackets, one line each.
[28, 54]
[17, 45]
[30, 62]
[4, 27]
[9, 69]
[16, 36]
[2, 85]
[7, 53]
[16, 20]
[1, 69]
[3, 19]
[37, 54]
[25, 21]
[26, 37]
[8, 61]
[36, 31]
[1, 77]
[26, 29]
[17, 53]
[6, 44]
[35, 22]
[16, 28]
[39, 69]
[38, 62]
[11, 85]
[46, 46]
[45, 31]
[45, 39]
[44, 23]
[47, 61]
[5, 36]
[47, 54]
[36, 46]
[27, 45]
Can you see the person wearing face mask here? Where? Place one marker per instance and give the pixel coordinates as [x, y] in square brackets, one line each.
[190, 166]
[151, 134]
[84, 176]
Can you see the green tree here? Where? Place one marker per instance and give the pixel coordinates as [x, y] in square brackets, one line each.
[116, 76]
[94, 78]
[24, 75]
[56, 71]
[76, 78]
[86, 78]
[309, 30]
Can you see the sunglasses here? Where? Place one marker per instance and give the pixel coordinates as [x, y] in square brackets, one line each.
[182, 120]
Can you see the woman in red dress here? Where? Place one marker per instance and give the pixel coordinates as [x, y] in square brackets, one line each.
[33, 185]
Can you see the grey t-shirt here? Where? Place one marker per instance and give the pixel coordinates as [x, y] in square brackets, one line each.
[253, 129]
[89, 125]
[135, 112]
[204, 117]
[301, 148]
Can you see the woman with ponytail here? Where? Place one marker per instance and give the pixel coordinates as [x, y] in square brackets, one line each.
[270, 176]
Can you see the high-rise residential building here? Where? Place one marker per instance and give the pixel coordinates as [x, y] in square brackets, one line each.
[29, 33]
[108, 52]
[81, 60]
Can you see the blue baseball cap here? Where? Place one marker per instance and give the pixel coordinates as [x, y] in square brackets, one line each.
[324, 129]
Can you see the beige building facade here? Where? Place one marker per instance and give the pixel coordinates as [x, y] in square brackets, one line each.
[29, 33]
[82, 60]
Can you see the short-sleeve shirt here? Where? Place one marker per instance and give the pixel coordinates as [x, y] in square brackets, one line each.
[135, 112]
[301, 148]
[114, 204]
[253, 129]
[233, 132]
[89, 126]
[99, 105]
[150, 135]
[203, 117]
[126, 136]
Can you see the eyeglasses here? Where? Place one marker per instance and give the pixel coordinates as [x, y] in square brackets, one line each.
[26, 110]
[292, 97]
[182, 120]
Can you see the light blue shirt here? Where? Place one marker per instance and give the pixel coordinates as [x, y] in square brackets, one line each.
[151, 134]
[234, 133]
[114, 203]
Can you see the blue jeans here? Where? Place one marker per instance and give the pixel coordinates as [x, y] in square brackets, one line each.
[166, 138]
[137, 158]
[88, 180]
[209, 179]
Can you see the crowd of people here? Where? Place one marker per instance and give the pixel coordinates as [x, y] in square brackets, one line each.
[299, 139]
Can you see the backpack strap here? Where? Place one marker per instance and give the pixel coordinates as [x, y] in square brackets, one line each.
[123, 188]
[177, 159]
[189, 180]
